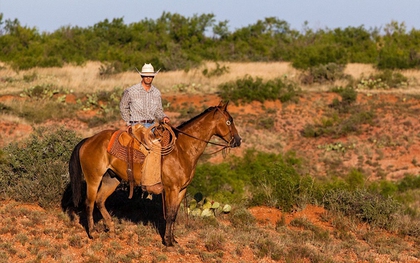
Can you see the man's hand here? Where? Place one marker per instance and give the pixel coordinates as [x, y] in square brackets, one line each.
[166, 120]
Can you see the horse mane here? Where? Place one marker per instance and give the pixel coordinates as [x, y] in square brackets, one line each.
[185, 123]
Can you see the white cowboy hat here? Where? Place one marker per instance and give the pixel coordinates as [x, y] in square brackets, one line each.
[147, 71]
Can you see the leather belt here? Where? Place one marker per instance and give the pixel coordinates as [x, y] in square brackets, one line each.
[143, 121]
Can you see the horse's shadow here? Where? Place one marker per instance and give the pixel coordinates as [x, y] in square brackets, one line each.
[139, 209]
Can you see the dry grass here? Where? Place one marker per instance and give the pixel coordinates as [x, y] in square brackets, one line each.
[86, 79]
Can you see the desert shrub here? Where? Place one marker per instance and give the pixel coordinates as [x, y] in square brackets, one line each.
[35, 111]
[217, 72]
[242, 218]
[266, 123]
[228, 181]
[355, 179]
[348, 97]
[393, 57]
[409, 182]
[366, 206]
[106, 103]
[385, 79]
[218, 181]
[35, 170]
[30, 77]
[323, 73]
[318, 232]
[337, 126]
[103, 100]
[107, 69]
[43, 102]
[281, 186]
[392, 79]
[317, 54]
[42, 92]
[260, 178]
[247, 90]
[270, 179]
[264, 246]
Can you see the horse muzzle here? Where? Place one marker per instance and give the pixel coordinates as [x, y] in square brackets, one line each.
[236, 142]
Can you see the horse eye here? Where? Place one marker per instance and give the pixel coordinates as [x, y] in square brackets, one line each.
[228, 123]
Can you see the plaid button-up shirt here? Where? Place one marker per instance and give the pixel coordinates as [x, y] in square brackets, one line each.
[137, 104]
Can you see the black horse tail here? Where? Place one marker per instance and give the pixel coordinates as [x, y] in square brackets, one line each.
[75, 171]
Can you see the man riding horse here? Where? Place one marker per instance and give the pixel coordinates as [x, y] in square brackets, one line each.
[141, 104]
[92, 159]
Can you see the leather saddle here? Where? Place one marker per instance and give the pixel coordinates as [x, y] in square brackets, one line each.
[119, 146]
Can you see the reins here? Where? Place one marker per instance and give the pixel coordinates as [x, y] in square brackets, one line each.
[224, 146]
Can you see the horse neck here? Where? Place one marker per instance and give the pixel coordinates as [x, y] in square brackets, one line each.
[197, 135]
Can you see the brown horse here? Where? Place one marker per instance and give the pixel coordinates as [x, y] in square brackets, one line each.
[91, 159]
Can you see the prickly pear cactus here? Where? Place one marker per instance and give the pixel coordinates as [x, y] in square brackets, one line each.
[206, 207]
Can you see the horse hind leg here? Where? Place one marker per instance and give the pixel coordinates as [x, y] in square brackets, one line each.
[91, 193]
[108, 186]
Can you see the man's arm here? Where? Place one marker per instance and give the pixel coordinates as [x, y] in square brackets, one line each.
[125, 107]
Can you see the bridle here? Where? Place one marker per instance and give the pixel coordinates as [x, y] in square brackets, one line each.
[224, 146]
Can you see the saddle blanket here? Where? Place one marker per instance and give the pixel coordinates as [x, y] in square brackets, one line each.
[120, 151]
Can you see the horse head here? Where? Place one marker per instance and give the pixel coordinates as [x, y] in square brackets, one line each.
[225, 128]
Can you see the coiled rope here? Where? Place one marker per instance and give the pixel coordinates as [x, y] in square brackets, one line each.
[155, 136]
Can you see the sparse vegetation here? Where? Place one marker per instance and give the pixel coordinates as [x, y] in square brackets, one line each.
[321, 74]
[35, 170]
[386, 79]
[282, 180]
[247, 89]
[344, 119]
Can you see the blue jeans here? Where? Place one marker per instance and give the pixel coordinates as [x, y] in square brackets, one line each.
[147, 125]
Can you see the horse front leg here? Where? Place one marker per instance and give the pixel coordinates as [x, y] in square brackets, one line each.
[172, 202]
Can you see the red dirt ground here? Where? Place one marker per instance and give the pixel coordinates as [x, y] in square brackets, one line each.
[387, 149]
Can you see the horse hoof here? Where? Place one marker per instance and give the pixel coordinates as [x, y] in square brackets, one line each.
[168, 244]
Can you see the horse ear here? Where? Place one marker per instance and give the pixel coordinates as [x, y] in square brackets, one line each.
[223, 105]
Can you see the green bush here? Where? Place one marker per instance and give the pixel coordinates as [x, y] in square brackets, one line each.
[106, 103]
[364, 205]
[174, 42]
[35, 111]
[348, 97]
[36, 170]
[242, 218]
[386, 79]
[323, 73]
[392, 57]
[270, 179]
[409, 182]
[392, 79]
[41, 92]
[108, 69]
[339, 125]
[247, 90]
[281, 186]
[218, 71]
[219, 181]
